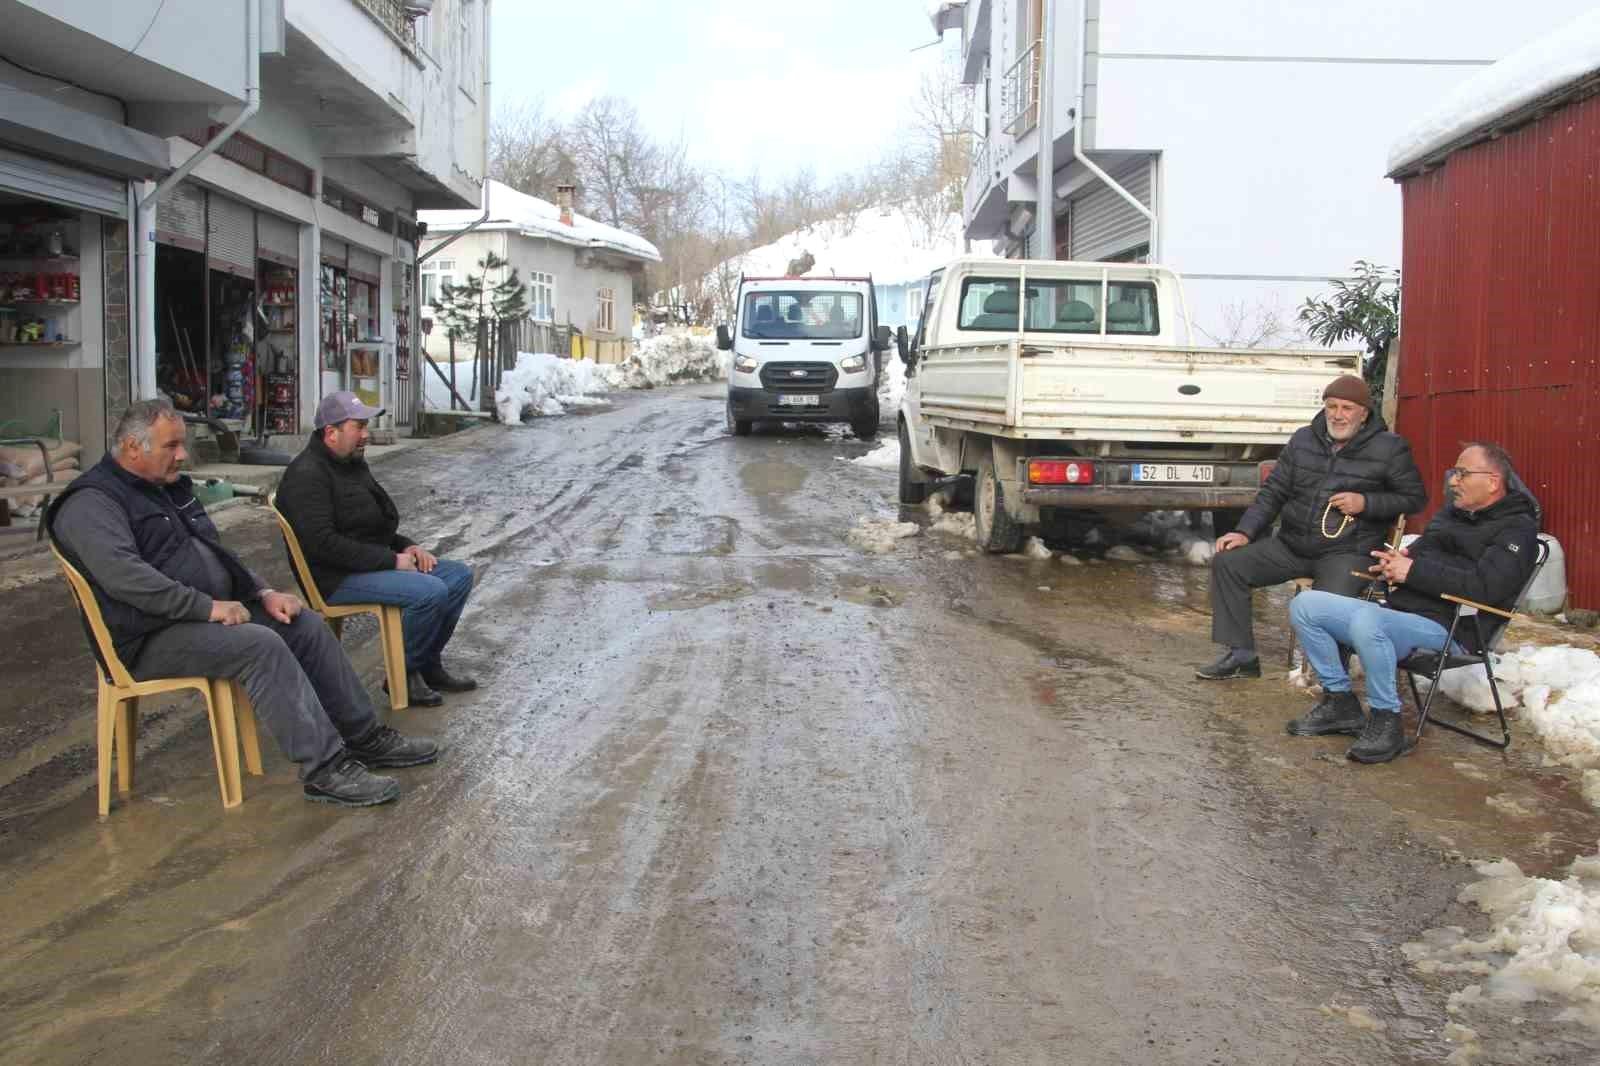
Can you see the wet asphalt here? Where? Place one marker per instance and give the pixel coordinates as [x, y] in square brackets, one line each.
[735, 792]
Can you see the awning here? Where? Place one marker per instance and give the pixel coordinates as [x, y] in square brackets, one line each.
[53, 129]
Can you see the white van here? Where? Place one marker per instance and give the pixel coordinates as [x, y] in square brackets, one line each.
[805, 349]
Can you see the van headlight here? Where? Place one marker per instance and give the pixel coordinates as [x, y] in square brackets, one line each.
[745, 364]
[853, 364]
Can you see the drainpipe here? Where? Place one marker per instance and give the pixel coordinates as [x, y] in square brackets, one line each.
[146, 225]
[1077, 133]
[1045, 228]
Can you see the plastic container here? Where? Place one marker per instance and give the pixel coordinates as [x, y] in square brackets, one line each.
[1548, 594]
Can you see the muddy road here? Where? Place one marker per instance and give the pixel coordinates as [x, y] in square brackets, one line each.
[735, 792]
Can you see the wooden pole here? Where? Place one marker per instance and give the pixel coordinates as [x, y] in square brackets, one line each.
[1391, 383]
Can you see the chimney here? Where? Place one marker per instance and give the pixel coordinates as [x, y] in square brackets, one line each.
[564, 202]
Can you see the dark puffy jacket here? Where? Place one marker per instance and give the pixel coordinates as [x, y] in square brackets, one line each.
[1375, 463]
[1485, 555]
[344, 520]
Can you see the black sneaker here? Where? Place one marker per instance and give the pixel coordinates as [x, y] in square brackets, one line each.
[346, 783]
[1235, 662]
[1381, 740]
[418, 694]
[388, 747]
[442, 680]
[1338, 712]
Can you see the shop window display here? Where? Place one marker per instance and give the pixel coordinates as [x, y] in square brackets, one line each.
[277, 352]
[334, 317]
[40, 284]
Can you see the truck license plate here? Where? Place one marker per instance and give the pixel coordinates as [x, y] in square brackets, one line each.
[798, 401]
[1180, 472]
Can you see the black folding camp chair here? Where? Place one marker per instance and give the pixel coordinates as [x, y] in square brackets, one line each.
[1434, 664]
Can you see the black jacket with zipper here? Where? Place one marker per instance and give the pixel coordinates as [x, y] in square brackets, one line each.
[1375, 463]
[1485, 555]
[344, 520]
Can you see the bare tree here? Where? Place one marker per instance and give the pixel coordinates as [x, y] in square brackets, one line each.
[528, 151]
[1245, 325]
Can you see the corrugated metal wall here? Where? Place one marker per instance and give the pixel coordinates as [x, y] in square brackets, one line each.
[1103, 223]
[1500, 319]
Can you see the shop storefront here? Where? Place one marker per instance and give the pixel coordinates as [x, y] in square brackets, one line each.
[226, 305]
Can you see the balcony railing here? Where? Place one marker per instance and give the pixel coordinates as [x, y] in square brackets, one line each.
[978, 177]
[393, 16]
[1019, 92]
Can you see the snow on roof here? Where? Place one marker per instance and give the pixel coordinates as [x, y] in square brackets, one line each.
[888, 243]
[1534, 71]
[510, 209]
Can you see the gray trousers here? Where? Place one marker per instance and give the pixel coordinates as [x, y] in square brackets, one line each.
[1270, 562]
[304, 690]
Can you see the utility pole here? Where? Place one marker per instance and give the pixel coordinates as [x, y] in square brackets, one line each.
[1044, 228]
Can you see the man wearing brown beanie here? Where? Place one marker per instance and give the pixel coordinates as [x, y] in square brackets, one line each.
[1339, 485]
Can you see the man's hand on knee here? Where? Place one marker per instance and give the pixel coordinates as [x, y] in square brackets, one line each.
[424, 560]
[229, 612]
[1229, 541]
[283, 606]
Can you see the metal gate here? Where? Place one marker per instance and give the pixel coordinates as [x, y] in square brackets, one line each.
[230, 236]
[181, 217]
[1104, 225]
[63, 185]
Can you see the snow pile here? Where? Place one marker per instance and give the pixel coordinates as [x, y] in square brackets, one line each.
[670, 359]
[956, 524]
[543, 384]
[1035, 549]
[1123, 553]
[1535, 70]
[1545, 943]
[1559, 689]
[885, 456]
[879, 536]
[891, 383]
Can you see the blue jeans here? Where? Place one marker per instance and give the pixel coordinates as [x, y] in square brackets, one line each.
[1382, 637]
[432, 603]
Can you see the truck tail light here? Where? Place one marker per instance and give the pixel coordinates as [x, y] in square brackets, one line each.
[1267, 468]
[1060, 472]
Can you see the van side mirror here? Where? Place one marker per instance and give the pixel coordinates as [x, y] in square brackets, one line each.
[880, 339]
[902, 341]
[724, 338]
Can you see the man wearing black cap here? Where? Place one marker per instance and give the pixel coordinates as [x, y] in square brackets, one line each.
[1338, 487]
[348, 528]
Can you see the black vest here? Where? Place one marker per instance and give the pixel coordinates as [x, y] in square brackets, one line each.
[165, 520]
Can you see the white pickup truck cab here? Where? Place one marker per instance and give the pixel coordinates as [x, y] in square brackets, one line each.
[1089, 395]
[805, 349]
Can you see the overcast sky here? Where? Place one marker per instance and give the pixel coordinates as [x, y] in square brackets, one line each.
[748, 83]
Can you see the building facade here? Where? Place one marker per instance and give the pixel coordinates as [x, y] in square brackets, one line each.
[1239, 143]
[282, 264]
[579, 273]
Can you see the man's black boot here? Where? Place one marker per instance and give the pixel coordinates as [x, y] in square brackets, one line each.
[346, 783]
[418, 692]
[1338, 712]
[1235, 662]
[388, 747]
[1381, 740]
[442, 680]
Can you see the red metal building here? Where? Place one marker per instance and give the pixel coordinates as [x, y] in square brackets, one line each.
[1500, 310]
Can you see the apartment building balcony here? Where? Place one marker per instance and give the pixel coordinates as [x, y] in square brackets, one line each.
[1019, 92]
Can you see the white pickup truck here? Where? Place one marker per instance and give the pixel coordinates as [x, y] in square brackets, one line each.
[1088, 400]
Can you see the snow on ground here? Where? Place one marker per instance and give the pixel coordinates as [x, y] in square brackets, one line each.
[1544, 944]
[886, 456]
[669, 359]
[891, 383]
[1537, 69]
[542, 384]
[1558, 689]
[879, 536]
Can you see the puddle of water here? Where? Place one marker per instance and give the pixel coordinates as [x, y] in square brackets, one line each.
[694, 599]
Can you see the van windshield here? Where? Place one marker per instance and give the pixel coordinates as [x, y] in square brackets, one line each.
[807, 314]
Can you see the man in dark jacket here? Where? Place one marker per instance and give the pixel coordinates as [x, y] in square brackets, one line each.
[348, 528]
[1337, 489]
[179, 604]
[1482, 546]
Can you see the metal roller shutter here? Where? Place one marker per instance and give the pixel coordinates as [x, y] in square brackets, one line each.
[63, 185]
[335, 253]
[231, 236]
[1106, 225]
[277, 240]
[181, 217]
[365, 265]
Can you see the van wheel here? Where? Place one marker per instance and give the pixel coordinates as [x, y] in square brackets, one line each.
[911, 490]
[998, 533]
[864, 430]
[740, 427]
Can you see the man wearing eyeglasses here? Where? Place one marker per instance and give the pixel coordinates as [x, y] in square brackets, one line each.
[1338, 487]
[1482, 546]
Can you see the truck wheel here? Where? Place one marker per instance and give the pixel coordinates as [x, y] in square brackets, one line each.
[740, 427]
[1225, 520]
[911, 490]
[998, 533]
